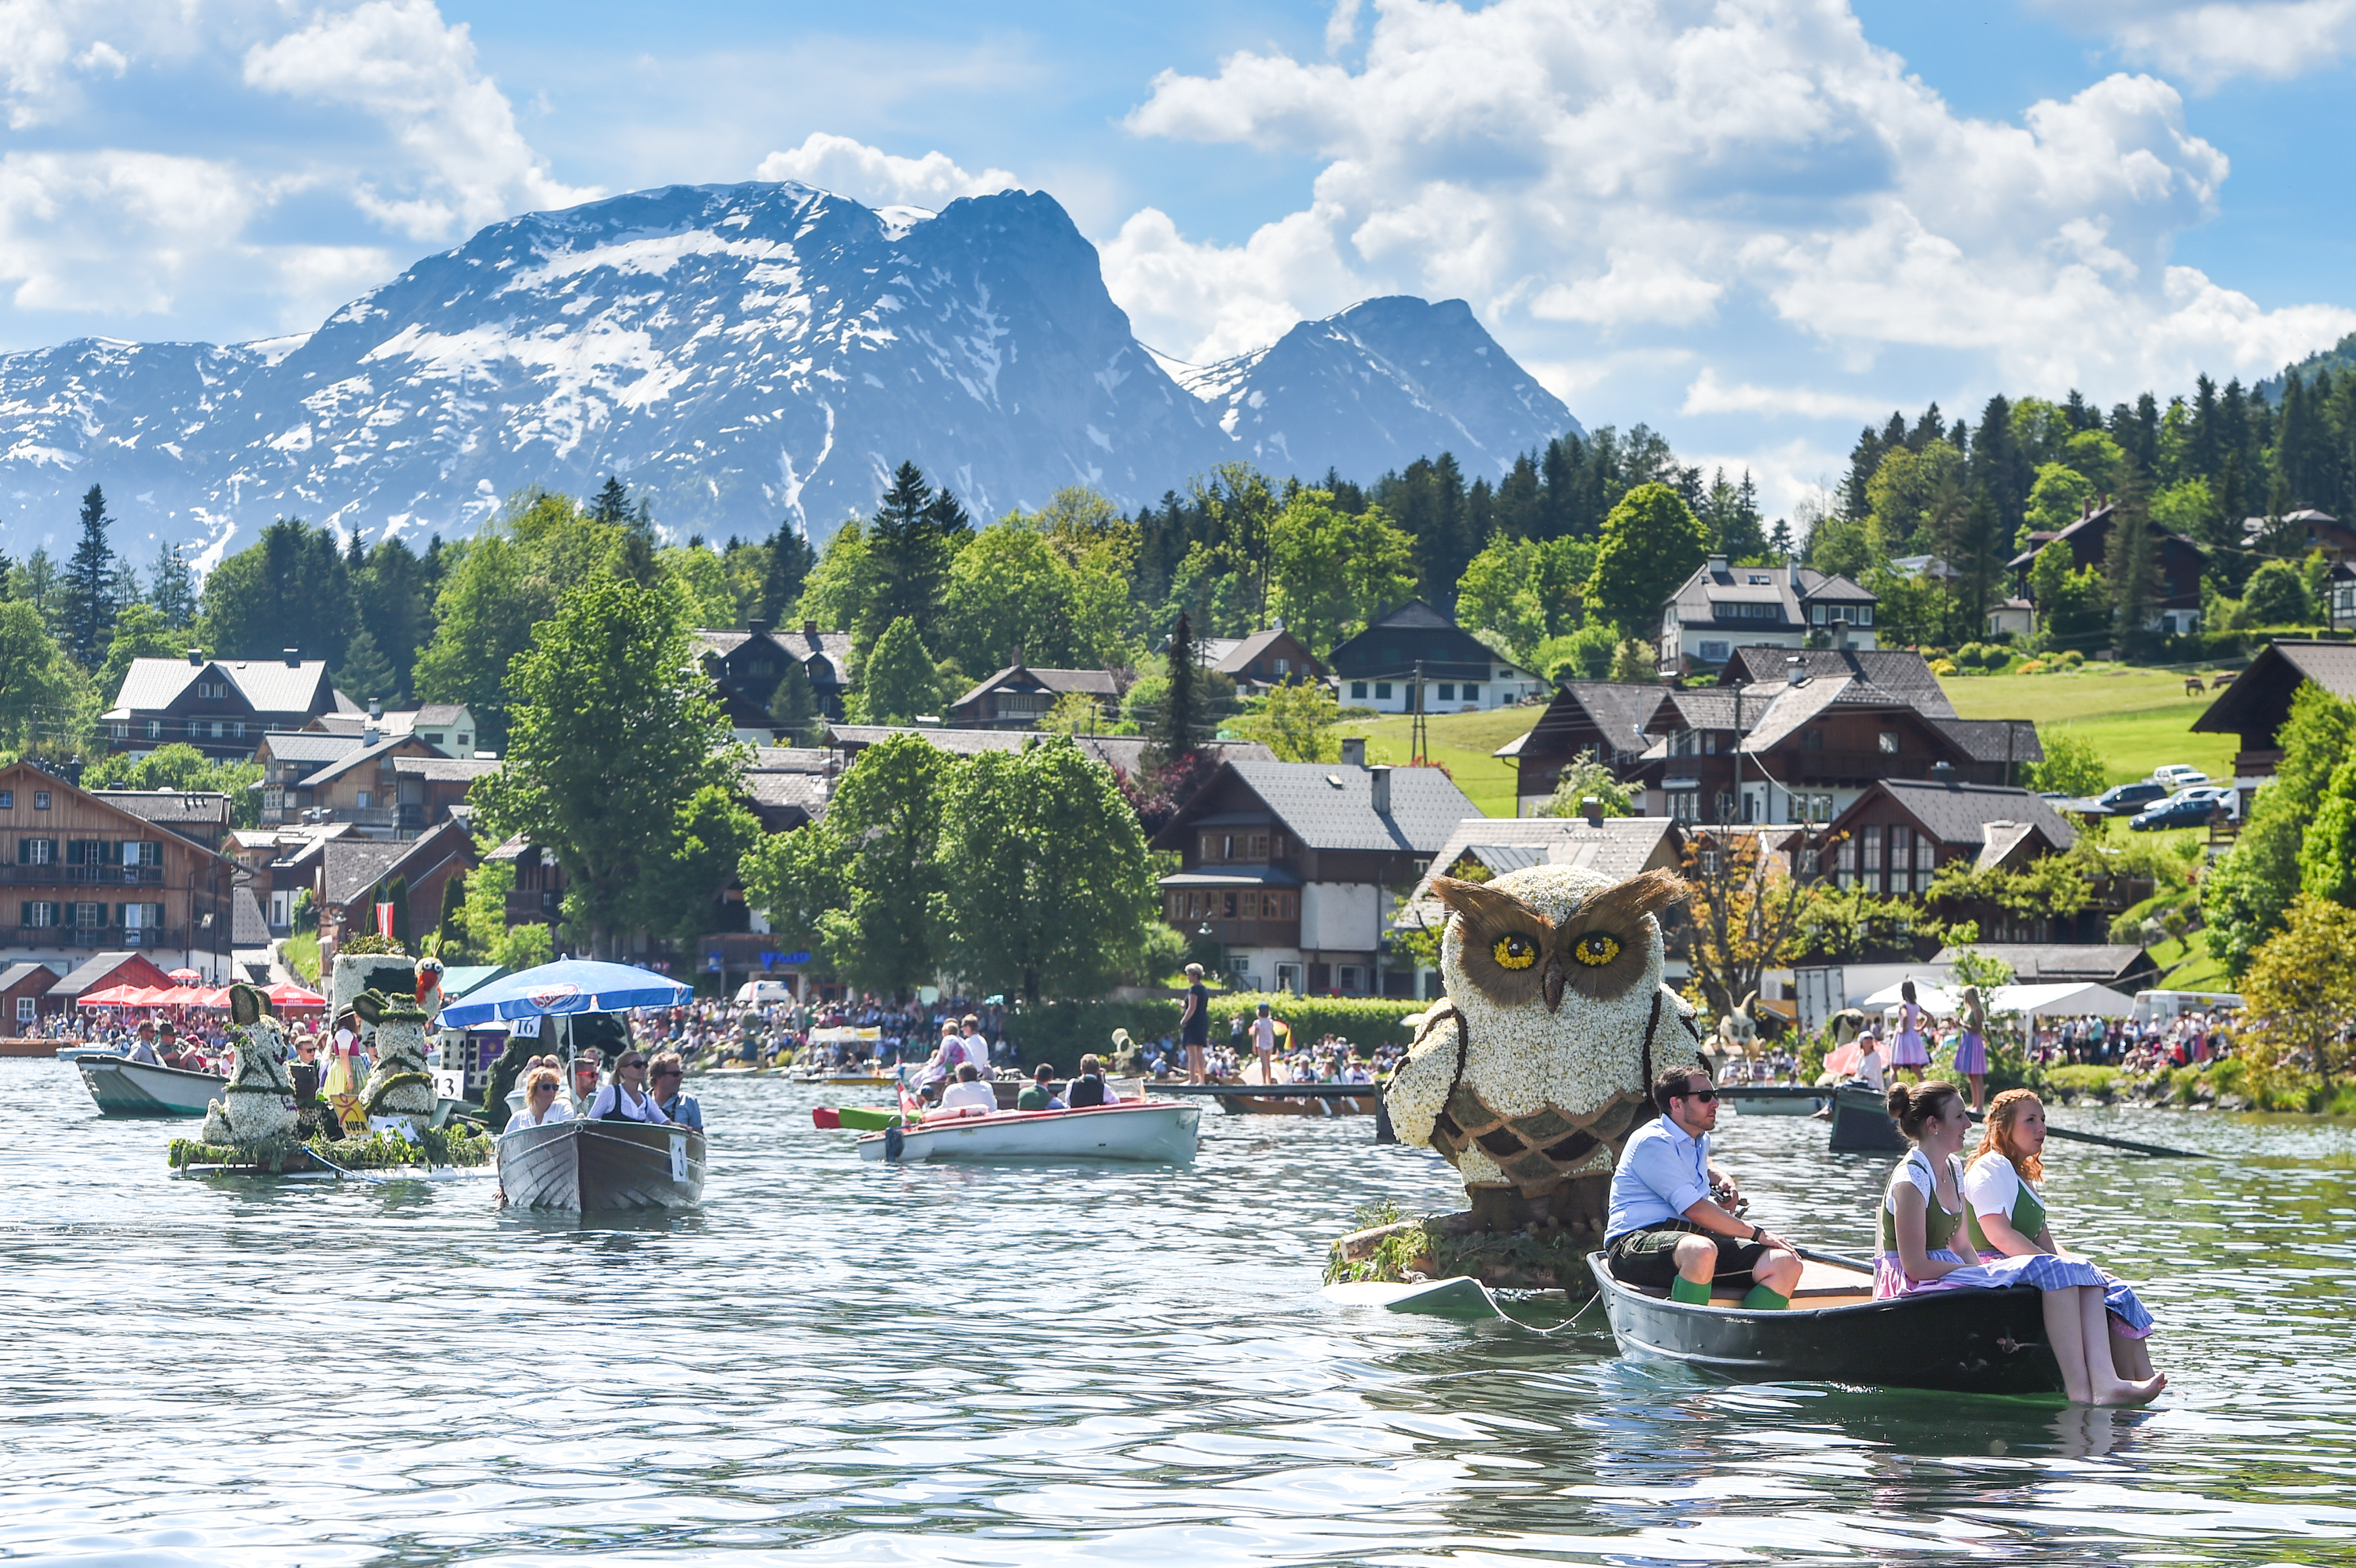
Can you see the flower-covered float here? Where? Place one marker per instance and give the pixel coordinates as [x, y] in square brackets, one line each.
[264, 1123]
[1529, 1075]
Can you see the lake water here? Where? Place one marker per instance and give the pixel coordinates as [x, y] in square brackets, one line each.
[837, 1362]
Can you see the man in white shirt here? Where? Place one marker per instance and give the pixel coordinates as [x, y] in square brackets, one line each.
[976, 1047]
[970, 1090]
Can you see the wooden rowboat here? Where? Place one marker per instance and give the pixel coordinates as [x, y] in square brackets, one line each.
[1154, 1130]
[1862, 1125]
[1960, 1342]
[125, 1088]
[583, 1164]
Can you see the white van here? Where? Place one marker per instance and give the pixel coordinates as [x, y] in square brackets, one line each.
[762, 993]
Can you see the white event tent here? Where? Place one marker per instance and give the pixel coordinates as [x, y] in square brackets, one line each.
[2068, 999]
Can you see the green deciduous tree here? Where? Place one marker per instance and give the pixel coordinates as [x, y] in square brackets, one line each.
[1045, 884]
[2073, 606]
[615, 732]
[37, 685]
[2072, 765]
[182, 767]
[1589, 779]
[2276, 595]
[1525, 592]
[1651, 543]
[2298, 995]
[1330, 570]
[2057, 499]
[1296, 721]
[860, 883]
[2244, 896]
[899, 681]
[141, 632]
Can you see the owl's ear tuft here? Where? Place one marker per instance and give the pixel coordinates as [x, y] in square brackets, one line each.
[1487, 913]
[1650, 892]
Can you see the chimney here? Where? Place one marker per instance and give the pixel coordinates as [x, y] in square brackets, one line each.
[1795, 672]
[1943, 773]
[371, 735]
[1718, 565]
[376, 709]
[1381, 779]
[1792, 572]
[294, 657]
[809, 628]
[758, 628]
[1840, 636]
[1591, 806]
[1354, 752]
[195, 655]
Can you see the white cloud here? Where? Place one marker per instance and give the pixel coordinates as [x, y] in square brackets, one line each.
[1342, 25]
[115, 230]
[879, 178]
[2209, 42]
[1709, 395]
[398, 60]
[1575, 166]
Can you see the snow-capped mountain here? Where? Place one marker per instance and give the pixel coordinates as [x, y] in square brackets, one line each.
[739, 354]
[1385, 381]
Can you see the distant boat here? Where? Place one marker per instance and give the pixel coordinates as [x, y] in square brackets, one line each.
[125, 1088]
[1161, 1131]
[579, 1165]
[1862, 1124]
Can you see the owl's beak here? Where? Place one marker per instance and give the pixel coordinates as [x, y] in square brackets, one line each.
[1557, 976]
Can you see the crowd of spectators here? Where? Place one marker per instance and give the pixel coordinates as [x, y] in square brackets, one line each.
[772, 1031]
[2138, 1047]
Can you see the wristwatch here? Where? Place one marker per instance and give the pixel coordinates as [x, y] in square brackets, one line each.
[1755, 1232]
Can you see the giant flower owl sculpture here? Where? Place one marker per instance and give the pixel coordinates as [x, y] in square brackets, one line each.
[1530, 1075]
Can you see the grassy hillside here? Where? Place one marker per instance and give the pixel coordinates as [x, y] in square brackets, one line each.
[2139, 717]
[1460, 742]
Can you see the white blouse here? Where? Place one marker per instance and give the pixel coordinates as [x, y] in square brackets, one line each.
[558, 1111]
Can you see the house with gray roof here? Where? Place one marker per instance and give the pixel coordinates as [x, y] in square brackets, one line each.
[310, 776]
[1291, 870]
[2258, 704]
[350, 874]
[447, 727]
[1606, 718]
[747, 664]
[1273, 658]
[1722, 607]
[222, 706]
[2123, 967]
[1415, 659]
[1018, 696]
[1898, 835]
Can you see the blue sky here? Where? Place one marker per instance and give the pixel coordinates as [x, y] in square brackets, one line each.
[1750, 224]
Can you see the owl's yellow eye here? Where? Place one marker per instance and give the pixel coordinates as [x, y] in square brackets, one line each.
[1595, 950]
[1515, 953]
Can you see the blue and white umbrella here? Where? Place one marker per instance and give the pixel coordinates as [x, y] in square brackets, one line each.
[572, 986]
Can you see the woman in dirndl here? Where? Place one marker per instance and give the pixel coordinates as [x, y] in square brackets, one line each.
[1971, 1049]
[1907, 1049]
[1928, 1243]
[2006, 1216]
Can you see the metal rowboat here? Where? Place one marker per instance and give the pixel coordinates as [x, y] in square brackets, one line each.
[583, 1164]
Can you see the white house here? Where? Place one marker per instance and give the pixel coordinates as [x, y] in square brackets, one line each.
[1722, 607]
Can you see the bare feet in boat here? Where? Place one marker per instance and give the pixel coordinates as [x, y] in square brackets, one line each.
[2136, 1390]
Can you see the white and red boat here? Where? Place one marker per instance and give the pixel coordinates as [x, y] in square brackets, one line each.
[1161, 1131]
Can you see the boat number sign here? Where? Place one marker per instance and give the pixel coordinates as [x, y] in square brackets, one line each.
[678, 1156]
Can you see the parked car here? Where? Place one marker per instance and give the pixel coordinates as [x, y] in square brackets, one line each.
[2121, 799]
[2186, 809]
[2179, 775]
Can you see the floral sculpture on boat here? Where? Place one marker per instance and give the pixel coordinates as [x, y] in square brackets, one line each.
[401, 1085]
[256, 1110]
[1531, 1072]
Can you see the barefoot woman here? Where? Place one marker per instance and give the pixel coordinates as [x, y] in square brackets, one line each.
[2006, 1216]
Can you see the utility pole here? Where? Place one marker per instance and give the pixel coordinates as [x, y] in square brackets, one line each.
[1418, 733]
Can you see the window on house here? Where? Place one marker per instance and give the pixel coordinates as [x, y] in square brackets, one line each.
[1728, 809]
[36, 912]
[7, 800]
[1816, 614]
[37, 851]
[27, 1009]
[364, 798]
[1283, 667]
[1382, 691]
[1901, 858]
[1709, 742]
[1446, 691]
[466, 740]
[1685, 805]
[88, 852]
[1681, 744]
[1259, 846]
[1472, 694]
[1886, 741]
[87, 916]
[1226, 906]
[237, 730]
[155, 729]
[1862, 615]
[40, 800]
[1247, 906]
[1276, 847]
[1715, 652]
[1845, 862]
[1358, 690]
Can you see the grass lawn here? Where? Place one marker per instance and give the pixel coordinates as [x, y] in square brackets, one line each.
[1460, 742]
[2140, 719]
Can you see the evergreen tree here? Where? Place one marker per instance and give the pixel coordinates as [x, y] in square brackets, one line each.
[898, 682]
[793, 707]
[174, 592]
[90, 614]
[1176, 729]
[396, 608]
[123, 589]
[791, 561]
[396, 893]
[911, 544]
[612, 504]
[365, 674]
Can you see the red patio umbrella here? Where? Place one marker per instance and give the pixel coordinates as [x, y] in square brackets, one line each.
[287, 994]
[185, 975]
[215, 999]
[112, 996]
[157, 996]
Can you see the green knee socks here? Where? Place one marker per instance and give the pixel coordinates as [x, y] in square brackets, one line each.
[1692, 1292]
[1762, 1299]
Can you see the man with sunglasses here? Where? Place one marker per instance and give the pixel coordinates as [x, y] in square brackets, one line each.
[1665, 1232]
[665, 1075]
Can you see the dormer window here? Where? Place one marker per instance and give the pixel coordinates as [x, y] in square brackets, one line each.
[212, 688]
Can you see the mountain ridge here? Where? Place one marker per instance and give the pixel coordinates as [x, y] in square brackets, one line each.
[738, 353]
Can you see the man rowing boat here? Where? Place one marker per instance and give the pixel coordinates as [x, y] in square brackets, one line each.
[1664, 1230]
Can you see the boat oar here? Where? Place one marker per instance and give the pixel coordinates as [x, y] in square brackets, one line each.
[2157, 1151]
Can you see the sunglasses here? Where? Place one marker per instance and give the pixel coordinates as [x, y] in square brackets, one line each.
[543, 1088]
[1702, 1095]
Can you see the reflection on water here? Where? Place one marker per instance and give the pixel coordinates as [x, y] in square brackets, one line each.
[837, 1361]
